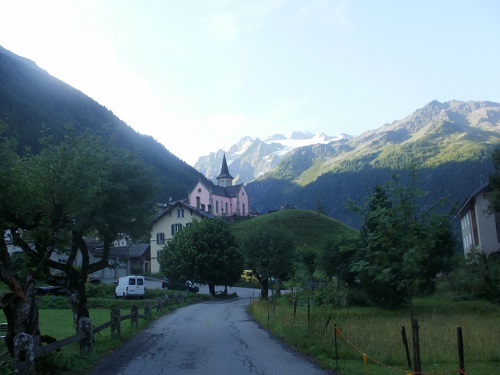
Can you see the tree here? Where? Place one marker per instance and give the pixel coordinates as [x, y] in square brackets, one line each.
[337, 254]
[15, 206]
[494, 181]
[404, 244]
[206, 252]
[269, 253]
[70, 190]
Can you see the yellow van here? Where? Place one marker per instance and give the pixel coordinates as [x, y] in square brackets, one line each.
[248, 275]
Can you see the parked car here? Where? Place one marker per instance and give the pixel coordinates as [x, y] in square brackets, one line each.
[130, 286]
[182, 284]
[248, 276]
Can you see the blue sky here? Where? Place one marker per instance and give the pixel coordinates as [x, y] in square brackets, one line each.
[199, 75]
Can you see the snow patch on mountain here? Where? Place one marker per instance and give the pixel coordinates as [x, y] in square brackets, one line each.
[250, 158]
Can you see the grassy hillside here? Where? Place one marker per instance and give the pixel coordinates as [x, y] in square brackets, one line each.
[308, 229]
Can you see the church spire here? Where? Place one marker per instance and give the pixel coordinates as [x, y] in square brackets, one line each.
[225, 178]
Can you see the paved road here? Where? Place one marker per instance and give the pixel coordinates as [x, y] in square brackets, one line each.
[217, 337]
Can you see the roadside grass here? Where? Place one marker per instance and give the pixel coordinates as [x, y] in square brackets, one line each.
[376, 333]
[58, 323]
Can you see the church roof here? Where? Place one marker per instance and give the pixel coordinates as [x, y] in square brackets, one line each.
[228, 191]
[224, 171]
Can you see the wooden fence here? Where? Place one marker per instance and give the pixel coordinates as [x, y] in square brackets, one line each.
[25, 353]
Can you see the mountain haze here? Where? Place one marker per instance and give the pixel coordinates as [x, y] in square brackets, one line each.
[33, 104]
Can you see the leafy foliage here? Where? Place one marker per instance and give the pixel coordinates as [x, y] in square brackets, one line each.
[206, 252]
[336, 256]
[53, 199]
[495, 182]
[404, 244]
[269, 253]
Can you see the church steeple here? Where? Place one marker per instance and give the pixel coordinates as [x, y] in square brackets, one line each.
[224, 178]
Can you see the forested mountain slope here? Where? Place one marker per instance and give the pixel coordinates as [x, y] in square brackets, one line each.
[450, 142]
[33, 104]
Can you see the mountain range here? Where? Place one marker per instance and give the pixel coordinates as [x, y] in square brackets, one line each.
[451, 142]
[250, 158]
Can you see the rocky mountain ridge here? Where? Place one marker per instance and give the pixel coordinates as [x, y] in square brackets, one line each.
[250, 158]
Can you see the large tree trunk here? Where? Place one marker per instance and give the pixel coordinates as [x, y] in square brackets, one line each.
[211, 289]
[21, 311]
[77, 279]
[78, 298]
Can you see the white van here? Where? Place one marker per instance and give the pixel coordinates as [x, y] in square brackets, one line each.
[130, 286]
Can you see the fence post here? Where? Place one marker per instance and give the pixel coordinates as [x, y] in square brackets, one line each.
[405, 343]
[308, 313]
[166, 300]
[268, 314]
[336, 351]
[416, 346]
[24, 355]
[158, 303]
[460, 351]
[327, 323]
[295, 303]
[134, 321]
[85, 325]
[147, 309]
[116, 327]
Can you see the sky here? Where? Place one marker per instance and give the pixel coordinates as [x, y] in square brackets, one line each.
[200, 75]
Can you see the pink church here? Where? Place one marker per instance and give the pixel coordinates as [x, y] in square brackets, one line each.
[223, 199]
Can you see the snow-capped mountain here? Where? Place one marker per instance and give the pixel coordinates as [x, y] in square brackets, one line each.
[250, 158]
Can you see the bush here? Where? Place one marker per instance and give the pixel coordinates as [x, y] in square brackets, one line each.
[475, 276]
[100, 290]
[53, 302]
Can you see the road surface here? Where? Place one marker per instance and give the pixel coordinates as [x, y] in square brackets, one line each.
[216, 337]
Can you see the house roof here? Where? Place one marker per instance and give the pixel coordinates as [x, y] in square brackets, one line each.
[137, 251]
[224, 171]
[464, 207]
[130, 251]
[182, 204]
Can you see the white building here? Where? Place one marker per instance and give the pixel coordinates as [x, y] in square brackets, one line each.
[480, 228]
